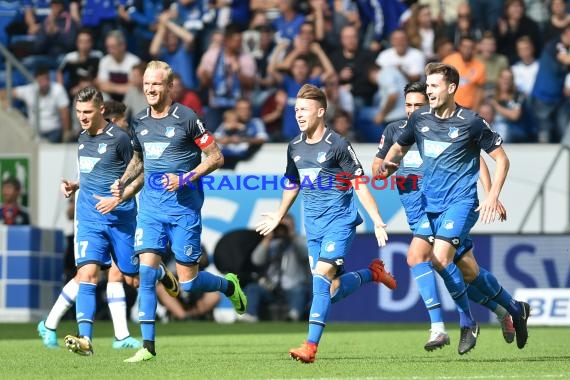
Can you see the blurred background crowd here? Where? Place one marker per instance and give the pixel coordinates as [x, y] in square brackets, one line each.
[240, 63]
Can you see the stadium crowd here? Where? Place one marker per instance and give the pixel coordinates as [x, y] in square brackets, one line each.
[240, 63]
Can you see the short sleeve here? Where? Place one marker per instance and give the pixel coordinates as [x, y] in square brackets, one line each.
[386, 142]
[488, 139]
[198, 132]
[347, 159]
[291, 172]
[125, 148]
[408, 137]
[136, 143]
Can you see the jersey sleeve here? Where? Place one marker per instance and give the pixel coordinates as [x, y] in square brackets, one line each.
[136, 143]
[198, 132]
[488, 139]
[386, 141]
[408, 137]
[291, 172]
[347, 160]
[125, 148]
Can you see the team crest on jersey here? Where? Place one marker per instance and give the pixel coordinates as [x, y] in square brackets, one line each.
[329, 247]
[296, 158]
[188, 250]
[169, 132]
[453, 132]
[321, 157]
[102, 148]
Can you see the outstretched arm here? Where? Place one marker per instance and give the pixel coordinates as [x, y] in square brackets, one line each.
[369, 204]
[393, 158]
[272, 219]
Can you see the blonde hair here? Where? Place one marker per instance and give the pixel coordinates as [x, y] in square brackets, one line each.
[308, 91]
[160, 65]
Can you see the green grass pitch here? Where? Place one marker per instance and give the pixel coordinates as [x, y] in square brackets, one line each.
[206, 350]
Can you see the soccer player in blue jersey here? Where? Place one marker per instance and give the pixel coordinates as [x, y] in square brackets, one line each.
[419, 253]
[169, 140]
[449, 139]
[320, 162]
[114, 112]
[105, 224]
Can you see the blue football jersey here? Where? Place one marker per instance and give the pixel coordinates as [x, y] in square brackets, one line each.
[102, 159]
[171, 144]
[411, 168]
[450, 150]
[323, 171]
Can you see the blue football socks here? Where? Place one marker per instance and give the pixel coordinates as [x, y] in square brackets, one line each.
[427, 285]
[319, 308]
[85, 308]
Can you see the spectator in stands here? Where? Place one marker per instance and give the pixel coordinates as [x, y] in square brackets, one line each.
[558, 20]
[526, 68]
[135, 99]
[328, 23]
[115, 67]
[228, 74]
[487, 112]
[338, 99]
[444, 12]
[379, 19]
[79, 68]
[351, 63]
[240, 136]
[293, 80]
[57, 33]
[342, 124]
[464, 26]
[422, 31]
[116, 113]
[53, 106]
[443, 48]
[143, 16]
[288, 24]
[284, 257]
[471, 74]
[509, 106]
[548, 91]
[406, 59]
[35, 12]
[174, 45]
[11, 212]
[184, 96]
[390, 103]
[99, 17]
[511, 26]
[494, 63]
[486, 13]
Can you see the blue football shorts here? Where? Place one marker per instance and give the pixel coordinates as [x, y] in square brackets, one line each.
[332, 248]
[155, 231]
[100, 243]
[454, 224]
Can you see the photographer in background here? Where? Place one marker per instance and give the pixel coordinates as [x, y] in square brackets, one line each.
[286, 277]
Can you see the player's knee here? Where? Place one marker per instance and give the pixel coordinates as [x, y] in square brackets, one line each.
[148, 276]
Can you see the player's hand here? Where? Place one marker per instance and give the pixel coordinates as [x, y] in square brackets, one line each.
[68, 187]
[388, 167]
[268, 224]
[117, 188]
[381, 234]
[106, 204]
[488, 210]
[502, 212]
[171, 182]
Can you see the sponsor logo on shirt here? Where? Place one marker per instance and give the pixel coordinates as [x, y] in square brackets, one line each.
[154, 150]
[144, 132]
[412, 159]
[424, 129]
[81, 146]
[86, 164]
[434, 148]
